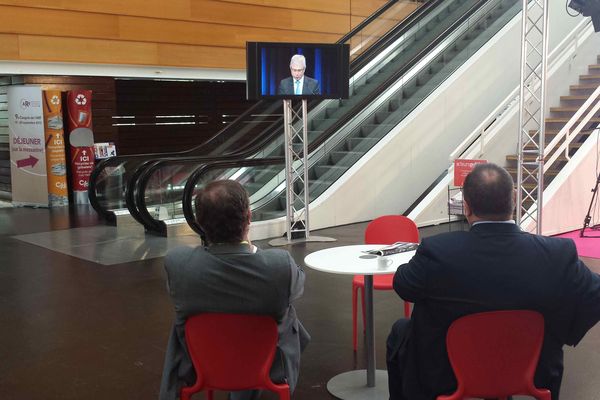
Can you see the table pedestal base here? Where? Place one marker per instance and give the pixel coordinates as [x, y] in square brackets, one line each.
[352, 385]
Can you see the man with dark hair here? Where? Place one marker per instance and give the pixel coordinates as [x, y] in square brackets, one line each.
[230, 275]
[493, 266]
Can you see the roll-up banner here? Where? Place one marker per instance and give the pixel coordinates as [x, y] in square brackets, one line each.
[27, 146]
[56, 162]
[81, 142]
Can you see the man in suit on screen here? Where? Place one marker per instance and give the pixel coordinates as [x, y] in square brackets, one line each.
[298, 83]
[230, 275]
[493, 266]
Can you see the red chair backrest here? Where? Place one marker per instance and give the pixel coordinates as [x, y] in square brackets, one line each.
[231, 351]
[389, 229]
[495, 354]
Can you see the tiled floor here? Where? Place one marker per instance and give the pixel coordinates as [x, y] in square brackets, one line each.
[74, 328]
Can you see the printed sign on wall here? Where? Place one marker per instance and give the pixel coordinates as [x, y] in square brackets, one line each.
[56, 162]
[27, 152]
[462, 168]
[81, 141]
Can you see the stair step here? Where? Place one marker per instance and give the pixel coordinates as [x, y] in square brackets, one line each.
[323, 170]
[576, 100]
[532, 157]
[585, 88]
[513, 172]
[572, 145]
[361, 143]
[561, 109]
[381, 116]
[565, 120]
[589, 77]
[345, 157]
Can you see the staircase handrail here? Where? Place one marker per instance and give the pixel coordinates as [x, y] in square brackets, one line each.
[478, 134]
[567, 134]
[467, 145]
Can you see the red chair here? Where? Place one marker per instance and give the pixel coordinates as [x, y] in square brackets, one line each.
[232, 352]
[495, 354]
[387, 229]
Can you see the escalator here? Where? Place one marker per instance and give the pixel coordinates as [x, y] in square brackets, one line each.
[254, 128]
[385, 91]
[160, 194]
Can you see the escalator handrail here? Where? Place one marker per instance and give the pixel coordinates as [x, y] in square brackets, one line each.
[146, 168]
[392, 79]
[188, 192]
[407, 23]
[119, 159]
[140, 199]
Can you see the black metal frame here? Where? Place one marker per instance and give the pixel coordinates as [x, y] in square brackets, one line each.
[588, 216]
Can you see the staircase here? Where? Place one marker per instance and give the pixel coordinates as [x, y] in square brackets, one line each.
[558, 117]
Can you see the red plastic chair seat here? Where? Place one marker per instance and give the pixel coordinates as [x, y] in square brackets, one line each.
[232, 352]
[495, 354]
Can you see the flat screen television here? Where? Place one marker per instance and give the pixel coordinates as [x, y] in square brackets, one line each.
[274, 70]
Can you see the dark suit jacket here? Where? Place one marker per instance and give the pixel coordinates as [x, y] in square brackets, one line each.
[310, 86]
[232, 279]
[493, 266]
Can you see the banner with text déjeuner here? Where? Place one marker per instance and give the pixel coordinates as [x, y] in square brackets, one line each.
[27, 146]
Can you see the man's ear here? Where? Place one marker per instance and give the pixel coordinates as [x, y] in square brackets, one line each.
[514, 198]
[467, 208]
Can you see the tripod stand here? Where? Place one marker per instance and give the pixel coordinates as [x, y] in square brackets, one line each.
[588, 217]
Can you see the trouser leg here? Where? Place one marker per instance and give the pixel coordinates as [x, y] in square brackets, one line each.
[395, 348]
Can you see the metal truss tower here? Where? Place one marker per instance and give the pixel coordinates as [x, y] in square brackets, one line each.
[530, 163]
[296, 175]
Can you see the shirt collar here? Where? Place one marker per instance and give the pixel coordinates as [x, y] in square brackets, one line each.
[231, 248]
[510, 221]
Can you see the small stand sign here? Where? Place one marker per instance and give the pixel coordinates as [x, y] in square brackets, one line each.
[27, 146]
[81, 141]
[462, 168]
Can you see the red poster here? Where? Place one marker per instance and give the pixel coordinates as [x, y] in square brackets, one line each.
[81, 141]
[462, 168]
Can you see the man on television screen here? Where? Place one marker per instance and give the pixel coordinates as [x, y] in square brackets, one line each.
[298, 83]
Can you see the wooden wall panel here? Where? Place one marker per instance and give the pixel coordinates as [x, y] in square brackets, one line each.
[181, 9]
[9, 47]
[186, 33]
[35, 21]
[199, 33]
[171, 9]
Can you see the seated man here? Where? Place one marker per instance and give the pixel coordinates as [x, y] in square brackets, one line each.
[230, 275]
[493, 266]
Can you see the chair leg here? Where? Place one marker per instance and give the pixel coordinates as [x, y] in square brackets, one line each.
[209, 394]
[406, 309]
[354, 316]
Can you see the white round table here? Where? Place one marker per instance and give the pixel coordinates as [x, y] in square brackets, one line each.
[350, 260]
